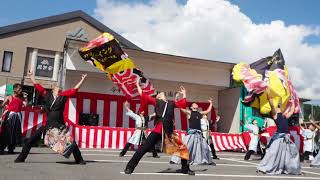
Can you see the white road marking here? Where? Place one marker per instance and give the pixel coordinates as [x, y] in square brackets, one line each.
[109, 155]
[101, 150]
[122, 161]
[227, 175]
[251, 164]
[256, 164]
[166, 162]
[162, 162]
[132, 152]
[117, 155]
[238, 160]
[115, 150]
[310, 172]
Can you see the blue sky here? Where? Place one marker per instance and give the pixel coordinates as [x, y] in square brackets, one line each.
[261, 11]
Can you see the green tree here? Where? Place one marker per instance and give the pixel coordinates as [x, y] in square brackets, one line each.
[307, 111]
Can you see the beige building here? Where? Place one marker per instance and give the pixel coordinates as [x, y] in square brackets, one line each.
[49, 46]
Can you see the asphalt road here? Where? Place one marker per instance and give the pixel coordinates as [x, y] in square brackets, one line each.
[43, 164]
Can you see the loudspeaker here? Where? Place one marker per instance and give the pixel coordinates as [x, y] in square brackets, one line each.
[89, 119]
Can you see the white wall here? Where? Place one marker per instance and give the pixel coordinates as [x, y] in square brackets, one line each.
[229, 105]
[164, 67]
[99, 83]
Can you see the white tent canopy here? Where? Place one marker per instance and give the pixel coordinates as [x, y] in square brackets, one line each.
[3, 91]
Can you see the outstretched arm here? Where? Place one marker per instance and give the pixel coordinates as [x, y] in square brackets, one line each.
[183, 91]
[151, 116]
[5, 102]
[31, 76]
[126, 105]
[73, 91]
[145, 99]
[186, 111]
[83, 77]
[209, 108]
[290, 113]
[218, 119]
[25, 99]
[182, 103]
[314, 123]
[130, 113]
[37, 86]
[138, 85]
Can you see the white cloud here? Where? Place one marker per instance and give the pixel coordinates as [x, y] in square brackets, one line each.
[217, 30]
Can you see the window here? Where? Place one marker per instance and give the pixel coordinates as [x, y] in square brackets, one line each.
[44, 66]
[7, 59]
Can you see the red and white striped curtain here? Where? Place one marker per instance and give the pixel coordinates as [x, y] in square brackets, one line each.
[111, 110]
[115, 128]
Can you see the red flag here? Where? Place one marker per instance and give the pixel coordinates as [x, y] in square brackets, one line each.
[126, 81]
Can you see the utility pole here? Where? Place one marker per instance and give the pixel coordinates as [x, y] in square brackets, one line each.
[312, 112]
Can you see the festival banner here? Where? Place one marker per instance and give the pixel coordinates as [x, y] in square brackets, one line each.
[105, 53]
[267, 72]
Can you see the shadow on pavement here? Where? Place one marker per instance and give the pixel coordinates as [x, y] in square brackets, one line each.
[170, 170]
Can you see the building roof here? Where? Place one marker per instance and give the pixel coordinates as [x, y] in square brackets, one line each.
[178, 57]
[303, 100]
[164, 56]
[15, 28]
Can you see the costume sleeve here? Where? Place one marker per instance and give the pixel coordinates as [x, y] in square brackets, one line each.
[182, 103]
[133, 115]
[150, 100]
[40, 89]
[69, 93]
[145, 100]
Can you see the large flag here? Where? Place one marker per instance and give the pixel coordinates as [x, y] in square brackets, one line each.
[267, 72]
[105, 53]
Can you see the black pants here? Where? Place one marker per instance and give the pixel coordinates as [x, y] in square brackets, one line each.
[11, 133]
[152, 139]
[306, 154]
[248, 154]
[35, 138]
[127, 146]
[213, 151]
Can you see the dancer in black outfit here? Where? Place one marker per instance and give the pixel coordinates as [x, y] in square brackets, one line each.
[163, 130]
[55, 101]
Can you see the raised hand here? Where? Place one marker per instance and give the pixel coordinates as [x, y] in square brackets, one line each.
[177, 96]
[30, 73]
[217, 118]
[83, 76]
[210, 100]
[183, 91]
[25, 95]
[138, 80]
[126, 104]
[138, 85]
[31, 76]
